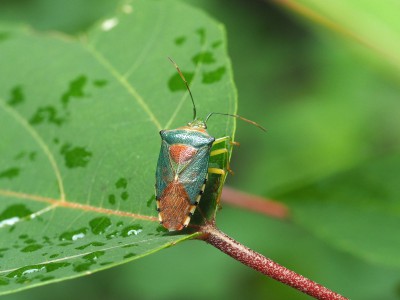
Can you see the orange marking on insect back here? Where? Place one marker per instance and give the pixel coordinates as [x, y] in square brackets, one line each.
[174, 206]
[181, 153]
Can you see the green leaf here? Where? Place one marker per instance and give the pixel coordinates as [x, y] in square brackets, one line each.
[72, 16]
[357, 211]
[79, 136]
[373, 24]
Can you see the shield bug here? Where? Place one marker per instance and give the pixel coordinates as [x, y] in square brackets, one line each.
[183, 167]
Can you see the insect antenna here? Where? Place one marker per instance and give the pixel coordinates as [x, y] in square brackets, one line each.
[235, 116]
[187, 86]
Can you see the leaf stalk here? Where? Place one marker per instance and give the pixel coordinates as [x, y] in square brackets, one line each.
[213, 236]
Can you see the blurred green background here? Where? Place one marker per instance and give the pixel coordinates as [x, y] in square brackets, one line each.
[329, 104]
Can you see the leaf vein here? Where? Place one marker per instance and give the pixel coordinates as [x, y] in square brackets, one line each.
[150, 41]
[123, 81]
[41, 143]
[74, 205]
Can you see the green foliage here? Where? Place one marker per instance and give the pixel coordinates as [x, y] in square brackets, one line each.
[375, 25]
[331, 151]
[356, 211]
[79, 136]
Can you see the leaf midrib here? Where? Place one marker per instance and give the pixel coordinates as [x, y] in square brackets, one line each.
[75, 205]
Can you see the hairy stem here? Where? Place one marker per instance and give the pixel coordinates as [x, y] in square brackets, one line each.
[226, 244]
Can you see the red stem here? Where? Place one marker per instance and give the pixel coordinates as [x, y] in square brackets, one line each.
[255, 203]
[258, 262]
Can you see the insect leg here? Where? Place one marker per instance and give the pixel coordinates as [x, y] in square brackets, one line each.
[216, 171]
[222, 139]
[222, 174]
[226, 138]
[223, 151]
[219, 151]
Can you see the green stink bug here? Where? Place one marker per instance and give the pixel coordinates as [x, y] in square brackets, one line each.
[183, 167]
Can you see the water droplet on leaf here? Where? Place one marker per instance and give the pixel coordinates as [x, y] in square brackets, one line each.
[75, 157]
[131, 230]
[73, 235]
[213, 76]
[31, 248]
[109, 24]
[13, 214]
[180, 40]
[205, 57]
[111, 199]
[10, 173]
[75, 90]
[122, 183]
[99, 225]
[17, 95]
[129, 255]
[175, 82]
